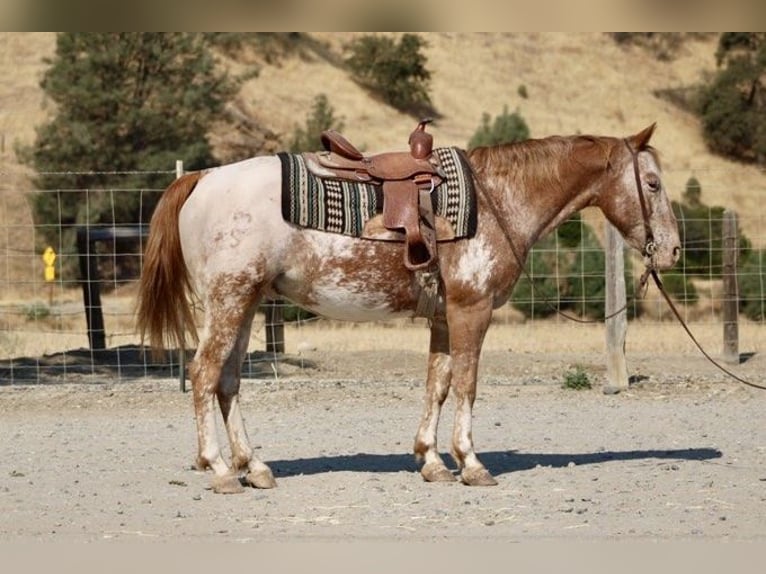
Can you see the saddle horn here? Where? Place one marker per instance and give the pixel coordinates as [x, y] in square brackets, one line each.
[421, 143]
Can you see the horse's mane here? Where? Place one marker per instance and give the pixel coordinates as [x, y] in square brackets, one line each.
[535, 162]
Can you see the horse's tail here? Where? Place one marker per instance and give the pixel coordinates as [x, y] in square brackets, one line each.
[163, 312]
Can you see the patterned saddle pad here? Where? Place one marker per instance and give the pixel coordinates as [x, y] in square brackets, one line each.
[344, 207]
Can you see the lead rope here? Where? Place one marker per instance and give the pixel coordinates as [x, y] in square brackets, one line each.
[673, 308]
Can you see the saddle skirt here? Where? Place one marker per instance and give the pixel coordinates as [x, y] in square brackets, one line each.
[313, 198]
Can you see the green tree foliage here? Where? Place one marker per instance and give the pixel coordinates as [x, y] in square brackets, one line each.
[505, 128]
[700, 228]
[320, 118]
[664, 45]
[394, 70]
[567, 269]
[751, 282]
[733, 105]
[123, 102]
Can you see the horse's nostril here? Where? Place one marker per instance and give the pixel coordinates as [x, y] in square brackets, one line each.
[676, 252]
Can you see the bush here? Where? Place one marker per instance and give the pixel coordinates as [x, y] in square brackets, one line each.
[679, 287]
[322, 117]
[701, 231]
[576, 379]
[751, 279]
[394, 71]
[568, 272]
[732, 105]
[540, 297]
[506, 128]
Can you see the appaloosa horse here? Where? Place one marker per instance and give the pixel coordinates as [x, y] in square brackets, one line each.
[219, 235]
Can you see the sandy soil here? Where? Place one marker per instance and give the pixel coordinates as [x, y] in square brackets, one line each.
[680, 455]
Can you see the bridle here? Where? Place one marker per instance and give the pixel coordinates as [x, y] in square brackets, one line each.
[650, 248]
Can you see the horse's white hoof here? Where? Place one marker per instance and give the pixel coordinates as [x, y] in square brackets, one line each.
[261, 479]
[228, 484]
[435, 472]
[477, 477]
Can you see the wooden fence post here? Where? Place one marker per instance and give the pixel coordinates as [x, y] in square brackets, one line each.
[730, 303]
[616, 326]
[275, 326]
[182, 349]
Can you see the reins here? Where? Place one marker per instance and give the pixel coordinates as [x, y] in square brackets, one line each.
[673, 308]
[650, 248]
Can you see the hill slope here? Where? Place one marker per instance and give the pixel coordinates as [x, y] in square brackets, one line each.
[576, 82]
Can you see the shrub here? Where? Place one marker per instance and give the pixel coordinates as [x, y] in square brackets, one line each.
[539, 297]
[506, 128]
[322, 117]
[576, 379]
[394, 71]
[732, 105]
[751, 279]
[679, 287]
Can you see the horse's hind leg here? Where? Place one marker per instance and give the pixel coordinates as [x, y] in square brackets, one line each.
[437, 388]
[242, 457]
[225, 315]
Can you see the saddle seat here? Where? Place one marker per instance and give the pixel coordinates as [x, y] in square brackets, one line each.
[407, 179]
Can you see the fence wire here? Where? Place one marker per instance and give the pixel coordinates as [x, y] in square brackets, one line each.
[43, 319]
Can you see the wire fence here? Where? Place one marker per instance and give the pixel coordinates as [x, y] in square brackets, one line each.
[89, 244]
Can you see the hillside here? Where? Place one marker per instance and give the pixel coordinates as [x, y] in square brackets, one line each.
[576, 82]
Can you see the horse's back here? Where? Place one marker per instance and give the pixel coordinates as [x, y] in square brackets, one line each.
[233, 204]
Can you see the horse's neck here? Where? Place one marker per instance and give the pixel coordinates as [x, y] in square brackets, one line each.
[530, 207]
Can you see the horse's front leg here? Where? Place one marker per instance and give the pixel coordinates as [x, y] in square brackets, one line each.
[467, 327]
[437, 388]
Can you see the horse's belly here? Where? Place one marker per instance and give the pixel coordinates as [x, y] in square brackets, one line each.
[362, 295]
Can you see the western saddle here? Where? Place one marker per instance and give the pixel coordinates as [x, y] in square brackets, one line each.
[407, 179]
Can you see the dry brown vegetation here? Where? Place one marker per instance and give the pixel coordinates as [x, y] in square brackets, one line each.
[576, 82]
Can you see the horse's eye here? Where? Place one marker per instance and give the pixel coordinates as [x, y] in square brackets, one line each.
[653, 182]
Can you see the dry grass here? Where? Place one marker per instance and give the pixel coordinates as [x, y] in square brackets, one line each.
[577, 82]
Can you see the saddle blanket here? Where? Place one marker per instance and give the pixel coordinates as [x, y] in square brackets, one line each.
[344, 207]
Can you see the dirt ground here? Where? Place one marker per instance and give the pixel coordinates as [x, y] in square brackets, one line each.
[680, 455]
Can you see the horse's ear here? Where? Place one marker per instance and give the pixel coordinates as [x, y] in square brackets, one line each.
[641, 139]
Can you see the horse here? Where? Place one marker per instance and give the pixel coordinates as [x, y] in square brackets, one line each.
[218, 235]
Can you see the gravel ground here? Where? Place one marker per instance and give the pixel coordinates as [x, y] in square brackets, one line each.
[680, 455]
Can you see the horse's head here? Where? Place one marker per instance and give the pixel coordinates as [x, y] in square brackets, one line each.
[637, 204]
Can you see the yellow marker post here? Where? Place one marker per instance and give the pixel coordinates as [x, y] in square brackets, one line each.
[49, 258]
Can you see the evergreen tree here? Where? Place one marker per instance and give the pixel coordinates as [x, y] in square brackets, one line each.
[395, 71]
[124, 102]
[733, 106]
[321, 118]
[506, 128]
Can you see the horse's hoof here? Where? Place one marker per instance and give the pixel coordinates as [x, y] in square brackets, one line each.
[228, 484]
[435, 472]
[261, 479]
[477, 477]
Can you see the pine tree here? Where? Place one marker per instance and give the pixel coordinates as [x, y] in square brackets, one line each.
[733, 105]
[506, 128]
[124, 102]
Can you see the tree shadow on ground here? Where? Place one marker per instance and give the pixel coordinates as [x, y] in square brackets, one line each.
[497, 462]
[125, 363]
